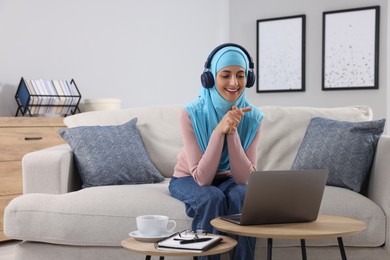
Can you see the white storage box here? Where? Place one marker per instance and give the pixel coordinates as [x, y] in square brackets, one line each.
[101, 104]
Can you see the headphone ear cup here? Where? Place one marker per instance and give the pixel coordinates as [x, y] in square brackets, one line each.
[250, 81]
[207, 79]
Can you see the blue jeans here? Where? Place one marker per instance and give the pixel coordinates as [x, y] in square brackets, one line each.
[204, 203]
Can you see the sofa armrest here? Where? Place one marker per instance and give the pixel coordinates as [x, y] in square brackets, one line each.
[379, 183]
[51, 170]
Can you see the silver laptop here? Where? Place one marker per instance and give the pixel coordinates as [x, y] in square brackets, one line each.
[275, 197]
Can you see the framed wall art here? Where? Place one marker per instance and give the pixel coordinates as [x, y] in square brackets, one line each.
[350, 49]
[281, 54]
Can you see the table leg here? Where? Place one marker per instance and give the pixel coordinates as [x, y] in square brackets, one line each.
[148, 257]
[269, 253]
[342, 250]
[303, 249]
[232, 254]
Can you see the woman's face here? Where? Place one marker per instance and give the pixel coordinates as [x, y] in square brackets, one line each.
[230, 82]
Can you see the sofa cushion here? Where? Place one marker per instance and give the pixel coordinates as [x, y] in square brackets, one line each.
[157, 126]
[346, 149]
[344, 202]
[110, 155]
[101, 216]
[105, 215]
[283, 129]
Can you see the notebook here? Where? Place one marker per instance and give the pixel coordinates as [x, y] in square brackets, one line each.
[182, 242]
[275, 197]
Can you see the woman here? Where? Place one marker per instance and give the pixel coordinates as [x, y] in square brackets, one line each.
[220, 134]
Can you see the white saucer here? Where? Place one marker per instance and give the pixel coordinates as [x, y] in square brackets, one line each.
[138, 236]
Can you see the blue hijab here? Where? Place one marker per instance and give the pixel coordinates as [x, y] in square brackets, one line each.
[209, 108]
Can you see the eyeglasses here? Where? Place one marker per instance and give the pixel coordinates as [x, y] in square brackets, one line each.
[192, 233]
[190, 236]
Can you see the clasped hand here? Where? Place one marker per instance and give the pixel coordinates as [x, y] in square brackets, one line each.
[231, 120]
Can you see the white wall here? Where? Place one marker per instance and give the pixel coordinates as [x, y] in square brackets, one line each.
[243, 16]
[388, 72]
[152, 52]
[148, 52]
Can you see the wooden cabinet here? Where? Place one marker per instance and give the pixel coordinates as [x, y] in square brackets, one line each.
[18, 136]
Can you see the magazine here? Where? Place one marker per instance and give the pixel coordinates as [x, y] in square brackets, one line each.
[183, 242]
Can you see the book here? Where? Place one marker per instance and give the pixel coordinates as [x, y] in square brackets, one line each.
[63, 108]
[183, 242]
[33, 101]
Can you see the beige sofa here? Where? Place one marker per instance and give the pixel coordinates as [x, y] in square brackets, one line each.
[56, 219]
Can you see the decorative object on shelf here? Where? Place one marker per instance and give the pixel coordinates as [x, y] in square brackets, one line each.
[350, 49]
[41, 97]
[281, 54]
[98, 104]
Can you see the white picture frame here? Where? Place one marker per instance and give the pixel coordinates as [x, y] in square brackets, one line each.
[350, 52]
[281, 54]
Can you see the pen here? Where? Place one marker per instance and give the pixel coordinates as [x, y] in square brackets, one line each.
[174, 234]
[196, 240]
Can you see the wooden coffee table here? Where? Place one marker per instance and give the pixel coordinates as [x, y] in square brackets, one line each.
[324, 227]
[149, 249]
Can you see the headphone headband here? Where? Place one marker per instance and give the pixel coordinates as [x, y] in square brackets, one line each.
[207, 77]
[211, 55]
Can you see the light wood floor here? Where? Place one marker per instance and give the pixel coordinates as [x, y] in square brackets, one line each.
[7, 250]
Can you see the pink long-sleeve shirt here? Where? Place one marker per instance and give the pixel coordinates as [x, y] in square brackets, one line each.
[204, 167]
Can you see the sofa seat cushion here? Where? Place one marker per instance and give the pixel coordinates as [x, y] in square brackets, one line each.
[344, 202]
[103, 216]
[96, 216]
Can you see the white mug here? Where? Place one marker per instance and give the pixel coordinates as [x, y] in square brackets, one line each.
[154, 225]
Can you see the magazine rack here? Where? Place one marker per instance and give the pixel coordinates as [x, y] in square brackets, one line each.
[41, 97]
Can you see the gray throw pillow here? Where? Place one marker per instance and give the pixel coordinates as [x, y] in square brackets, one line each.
[111, 155]
[346, 149]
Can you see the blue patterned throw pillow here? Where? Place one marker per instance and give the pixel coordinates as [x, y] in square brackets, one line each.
[346, 149]
[111, 155]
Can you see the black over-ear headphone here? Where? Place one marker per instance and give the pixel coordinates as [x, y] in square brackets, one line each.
[207, 78]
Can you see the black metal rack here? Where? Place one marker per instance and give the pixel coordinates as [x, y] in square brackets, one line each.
[40, 97]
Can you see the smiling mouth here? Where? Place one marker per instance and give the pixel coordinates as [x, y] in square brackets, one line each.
[232, 90]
